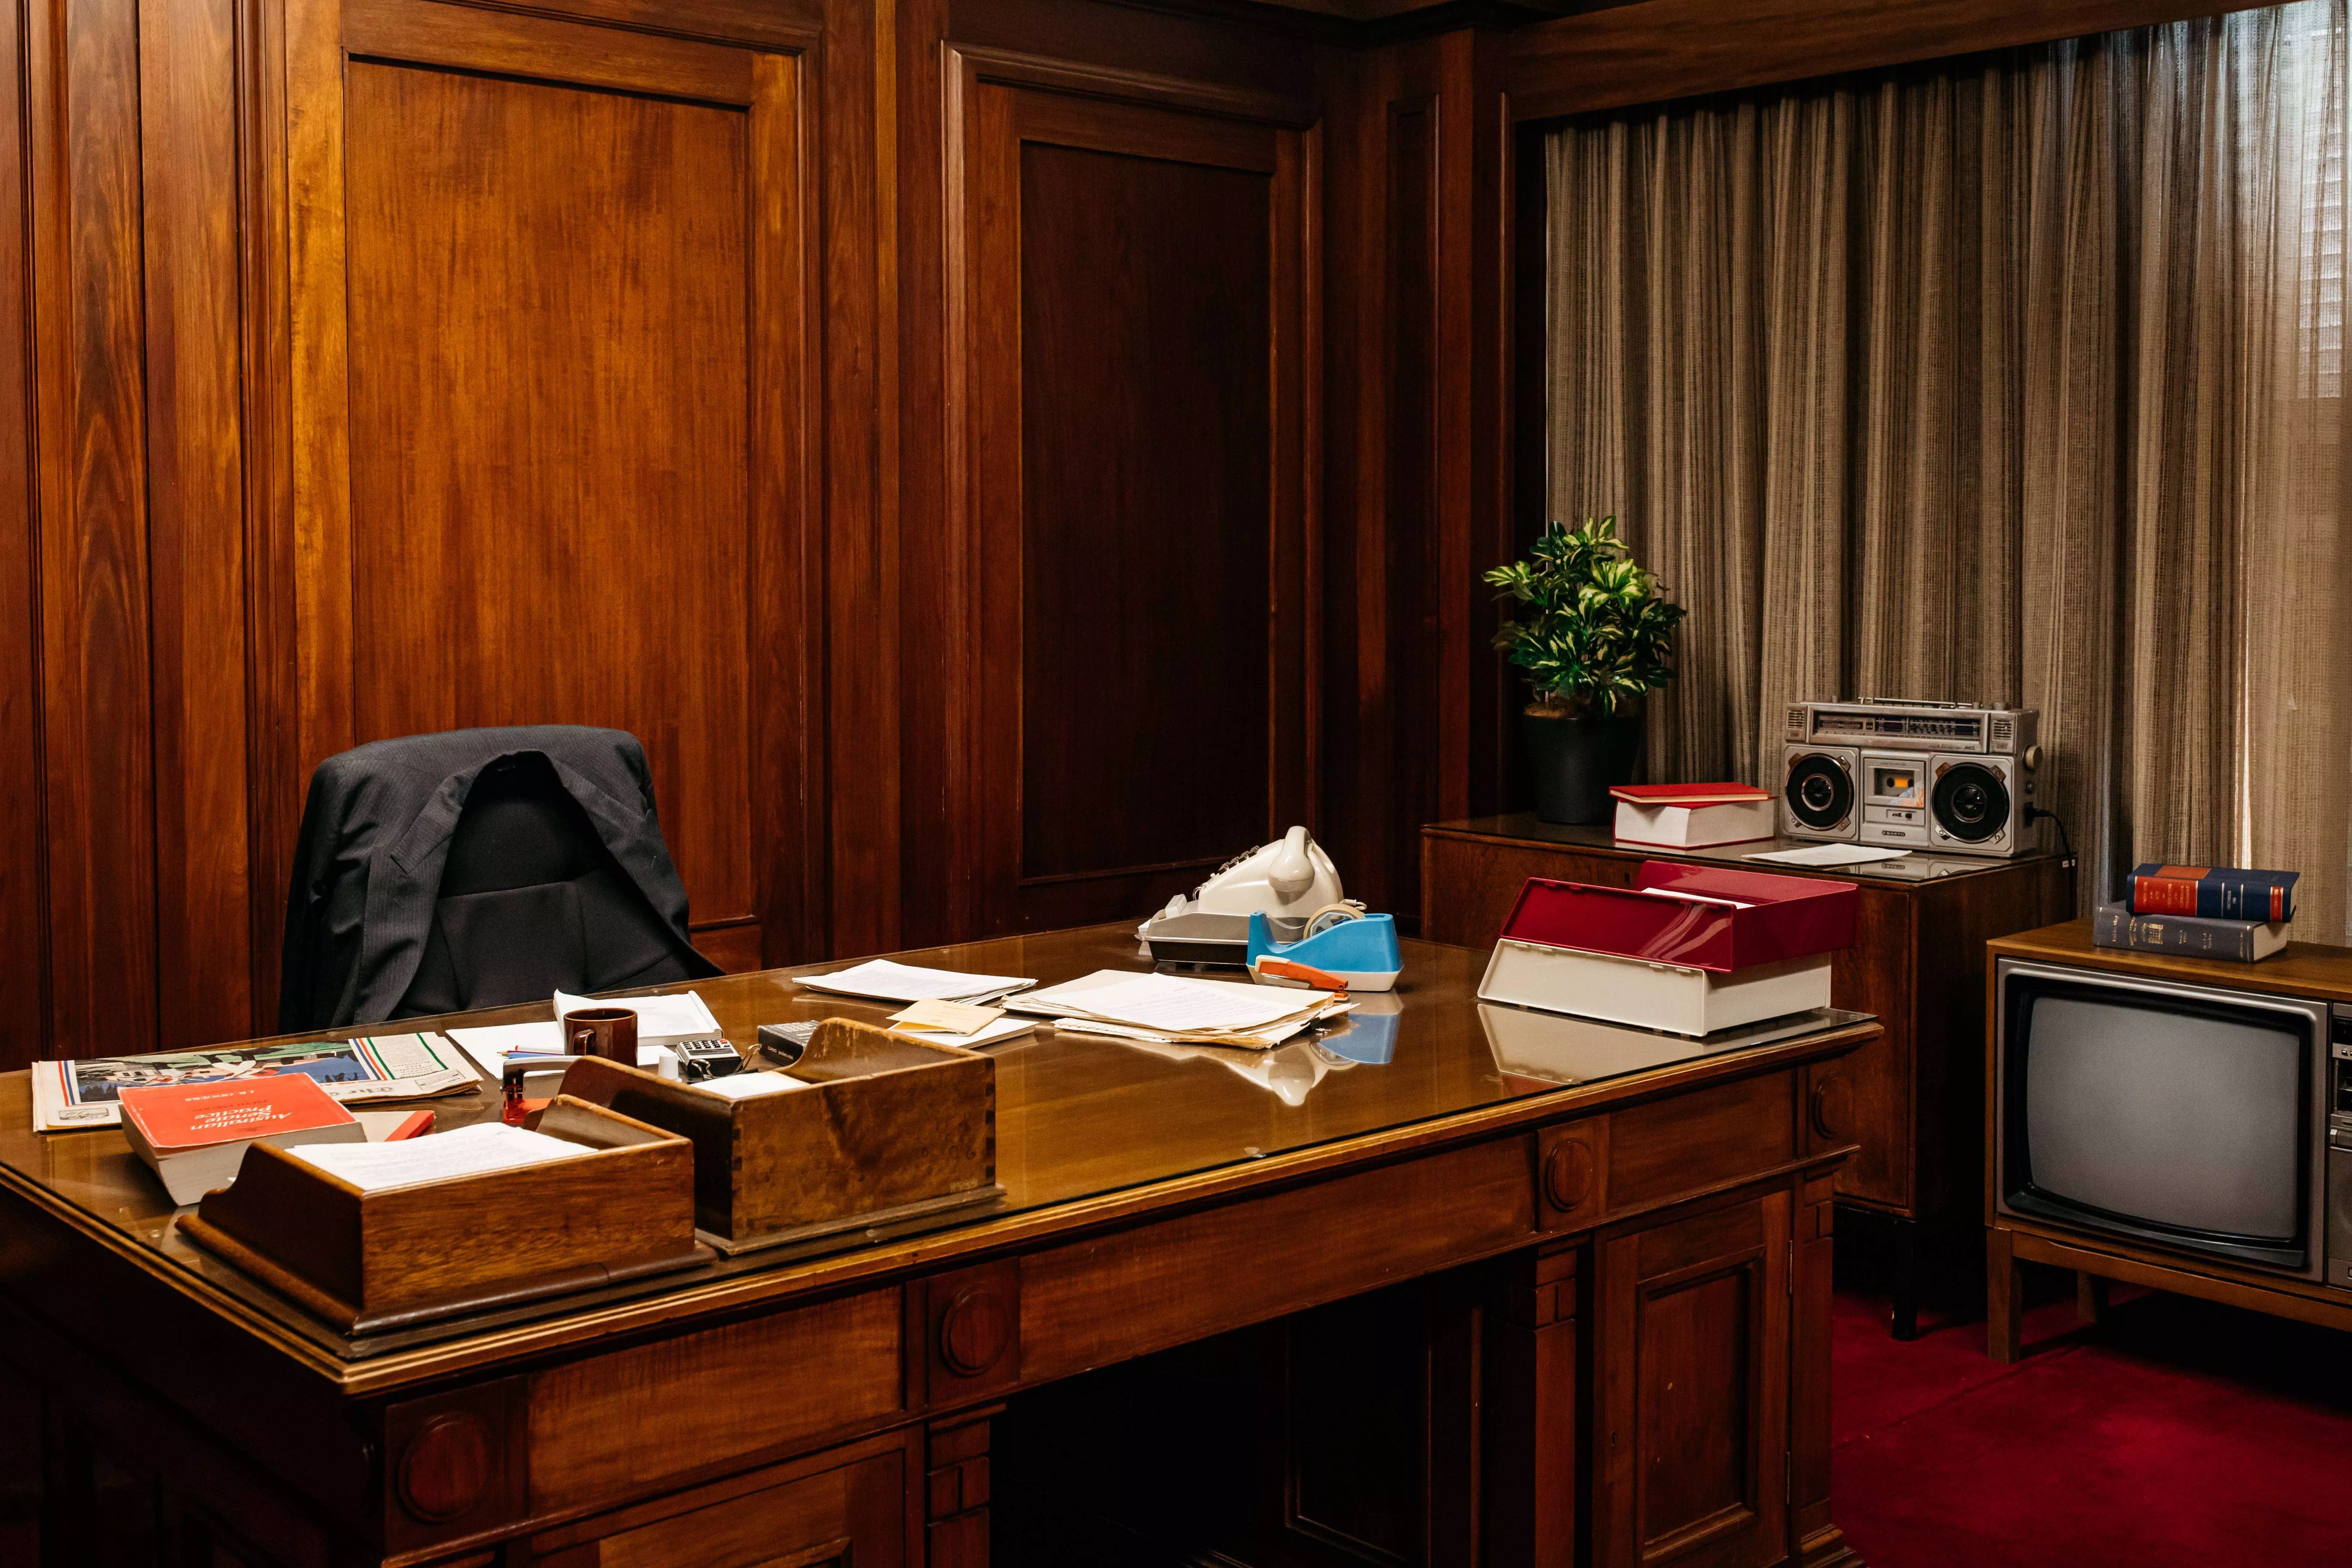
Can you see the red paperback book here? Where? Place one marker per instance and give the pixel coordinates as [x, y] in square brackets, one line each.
[194, 1135]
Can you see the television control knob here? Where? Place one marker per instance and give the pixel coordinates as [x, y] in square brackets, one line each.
[2033, 757]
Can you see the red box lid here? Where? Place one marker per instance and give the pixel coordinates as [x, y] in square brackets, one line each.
[1699, 917]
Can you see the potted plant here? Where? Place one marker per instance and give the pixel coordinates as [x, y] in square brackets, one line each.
[1589, 627]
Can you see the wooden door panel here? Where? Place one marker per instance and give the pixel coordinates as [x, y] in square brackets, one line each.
[1691, 1358]
[1144, 523]
[1131, 295]
[555, 480]
[547, 412]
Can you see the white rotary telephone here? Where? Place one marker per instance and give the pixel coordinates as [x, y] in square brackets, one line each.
[1291, 876]
[1291, 880]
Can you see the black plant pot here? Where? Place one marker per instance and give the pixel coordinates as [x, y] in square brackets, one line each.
[1575, 762]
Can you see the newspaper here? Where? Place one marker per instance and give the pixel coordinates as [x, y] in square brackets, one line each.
[70, 1096]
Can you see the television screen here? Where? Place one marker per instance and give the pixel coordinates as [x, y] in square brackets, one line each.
[2180, 1118]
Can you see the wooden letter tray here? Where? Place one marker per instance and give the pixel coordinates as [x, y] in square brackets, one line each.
[367, 1262]
[892, 1129]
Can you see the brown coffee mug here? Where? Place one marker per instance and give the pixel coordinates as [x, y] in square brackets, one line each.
[607, 1032]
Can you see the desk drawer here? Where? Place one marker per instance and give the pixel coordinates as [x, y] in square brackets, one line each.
[621, 1426]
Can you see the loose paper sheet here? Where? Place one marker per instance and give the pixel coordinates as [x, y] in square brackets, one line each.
[1829, 855]
[888, 982]
[437, 1157]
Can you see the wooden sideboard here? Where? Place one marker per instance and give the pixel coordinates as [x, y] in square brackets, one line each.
[1917, 964]
[1605, 1304]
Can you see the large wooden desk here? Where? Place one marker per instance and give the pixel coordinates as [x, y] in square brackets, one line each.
[1624, 1334]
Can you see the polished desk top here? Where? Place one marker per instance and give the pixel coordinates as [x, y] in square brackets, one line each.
[1526, 828]
[1088, 1128]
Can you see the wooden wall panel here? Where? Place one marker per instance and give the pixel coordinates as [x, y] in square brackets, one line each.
[867, 709]
[1145, 528]
[548, 428]
[23, 916]
[1421, 459]
[196, 480]
[551, 457]
[1130, 268]
[97, 775]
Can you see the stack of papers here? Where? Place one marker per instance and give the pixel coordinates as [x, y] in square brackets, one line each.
[1165, 1009]
[884, 981]
[937, 1023]
[662, 1021]
[442, 1156]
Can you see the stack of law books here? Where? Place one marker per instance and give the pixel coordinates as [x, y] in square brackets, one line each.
[2200, 911]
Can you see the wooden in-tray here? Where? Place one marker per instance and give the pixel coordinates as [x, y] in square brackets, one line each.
[370, 1261]
[893, 1128]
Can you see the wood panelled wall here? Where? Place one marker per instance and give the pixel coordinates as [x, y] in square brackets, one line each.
[1000, 455]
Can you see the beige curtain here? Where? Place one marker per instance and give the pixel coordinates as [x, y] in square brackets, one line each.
[2015, 379]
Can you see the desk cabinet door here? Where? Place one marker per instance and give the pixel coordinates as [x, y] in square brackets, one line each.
[1691, 1353]
[853, 1515]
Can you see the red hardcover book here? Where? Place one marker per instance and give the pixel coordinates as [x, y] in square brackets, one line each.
[1688, 793]
[194, 1135]
[1697, 917]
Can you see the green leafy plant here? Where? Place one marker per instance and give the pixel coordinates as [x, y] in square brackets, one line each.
[1587, 625]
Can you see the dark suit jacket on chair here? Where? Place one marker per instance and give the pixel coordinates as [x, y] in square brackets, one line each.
[366, 907]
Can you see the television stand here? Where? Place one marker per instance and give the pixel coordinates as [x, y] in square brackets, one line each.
[2304, 970]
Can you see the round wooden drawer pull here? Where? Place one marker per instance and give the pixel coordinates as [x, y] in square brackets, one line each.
[445, 1470]
[974, 1330]
[1568, 1175]
[1829, 1114]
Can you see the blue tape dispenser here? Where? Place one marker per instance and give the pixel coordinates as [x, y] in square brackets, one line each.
[1359, 951]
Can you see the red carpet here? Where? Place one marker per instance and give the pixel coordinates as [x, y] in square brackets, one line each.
[2175, 1433]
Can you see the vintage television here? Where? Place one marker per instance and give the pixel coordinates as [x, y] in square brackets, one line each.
[2196, 1118]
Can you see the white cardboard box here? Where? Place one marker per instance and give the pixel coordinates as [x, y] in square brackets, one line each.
[1652, 995]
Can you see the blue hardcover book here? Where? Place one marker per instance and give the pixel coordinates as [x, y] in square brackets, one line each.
[2213, 893]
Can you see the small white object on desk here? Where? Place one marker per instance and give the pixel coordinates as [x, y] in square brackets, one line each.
[750, 1085]
[884, 981]
[1828, 854]
[473, 1151]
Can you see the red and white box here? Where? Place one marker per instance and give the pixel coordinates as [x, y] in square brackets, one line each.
[1691, 950]
[1692, 815]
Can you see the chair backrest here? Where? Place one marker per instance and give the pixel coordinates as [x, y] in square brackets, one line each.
[532, 901]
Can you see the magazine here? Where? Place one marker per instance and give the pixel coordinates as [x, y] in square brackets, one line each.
[68, 1096]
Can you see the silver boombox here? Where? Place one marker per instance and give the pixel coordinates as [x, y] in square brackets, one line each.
[1939, 777]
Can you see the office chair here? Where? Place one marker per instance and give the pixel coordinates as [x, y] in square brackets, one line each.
[478, 868]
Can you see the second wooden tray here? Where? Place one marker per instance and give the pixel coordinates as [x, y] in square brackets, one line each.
[891, 1129]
